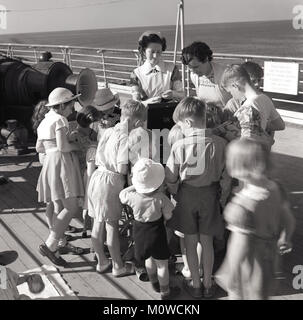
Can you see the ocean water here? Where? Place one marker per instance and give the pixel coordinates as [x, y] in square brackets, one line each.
[277, 38]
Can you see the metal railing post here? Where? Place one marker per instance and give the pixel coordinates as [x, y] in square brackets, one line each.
[10, 53]
[177, 34]
[69, 57]
[103, 65]
[182, 38]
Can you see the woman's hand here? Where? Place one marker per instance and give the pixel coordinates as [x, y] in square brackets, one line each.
[153, 100]
[168, 94]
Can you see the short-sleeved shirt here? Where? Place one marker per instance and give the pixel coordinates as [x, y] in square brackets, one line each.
[112, 148]
[256, 210]
[266, 108]
[197, 160]
[242, 121]
[209, 89]
[153, 81]
[140, 143]
[8, 289]
[174, 135]
[147, 208]
[50, 125]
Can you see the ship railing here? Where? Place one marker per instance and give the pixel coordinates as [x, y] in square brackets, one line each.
[114, 66]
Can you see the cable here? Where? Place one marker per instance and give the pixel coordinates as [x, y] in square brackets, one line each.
[69, 7]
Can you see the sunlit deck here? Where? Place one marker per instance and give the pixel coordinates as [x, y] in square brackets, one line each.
[23, 228]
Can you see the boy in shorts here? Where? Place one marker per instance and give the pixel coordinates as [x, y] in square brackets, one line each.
[193, 172]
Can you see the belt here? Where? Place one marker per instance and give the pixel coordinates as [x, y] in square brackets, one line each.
[47, 151]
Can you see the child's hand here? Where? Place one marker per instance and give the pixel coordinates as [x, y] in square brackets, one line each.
[168, 94]
[285, 247]
[35, 283]
[168, 215]
[153, 100]
[73, 136]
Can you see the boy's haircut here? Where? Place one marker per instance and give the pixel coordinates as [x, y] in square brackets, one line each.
[87, 115]
[254, 70]
[134, 109]
[247, 158]
[197, 49]
[235, 74]
[189, 107]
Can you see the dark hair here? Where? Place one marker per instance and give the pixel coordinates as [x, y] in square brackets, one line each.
[189, 107]
[254, 70]
[197, 49]
[39, 113]
[235, 73]
[151, 38]
[87, 115]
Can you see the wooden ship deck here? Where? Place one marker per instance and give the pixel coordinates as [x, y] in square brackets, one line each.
[23, 228]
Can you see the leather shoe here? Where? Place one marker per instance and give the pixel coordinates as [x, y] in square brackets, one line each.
[45, 251]
[7, 257]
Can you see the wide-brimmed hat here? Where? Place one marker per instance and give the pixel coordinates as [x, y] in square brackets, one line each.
[60, 95]
[147, 175]
[105, 99]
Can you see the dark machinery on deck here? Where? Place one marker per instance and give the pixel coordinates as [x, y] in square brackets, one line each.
[23, 85]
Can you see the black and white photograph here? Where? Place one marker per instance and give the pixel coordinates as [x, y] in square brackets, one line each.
[151, 154]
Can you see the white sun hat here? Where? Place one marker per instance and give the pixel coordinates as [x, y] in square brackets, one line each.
[148, 175]
[60, 95]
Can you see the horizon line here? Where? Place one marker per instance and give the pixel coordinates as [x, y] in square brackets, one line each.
[150, 26]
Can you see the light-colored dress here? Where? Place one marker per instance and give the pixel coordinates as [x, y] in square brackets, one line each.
[60, 177]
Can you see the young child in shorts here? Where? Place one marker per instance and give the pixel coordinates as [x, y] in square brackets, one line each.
[150, 208]
[105, 185]
[193, 173]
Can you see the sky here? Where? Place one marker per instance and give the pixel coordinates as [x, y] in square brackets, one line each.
[26, 16]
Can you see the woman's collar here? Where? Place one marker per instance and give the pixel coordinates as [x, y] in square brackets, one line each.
[147, 67]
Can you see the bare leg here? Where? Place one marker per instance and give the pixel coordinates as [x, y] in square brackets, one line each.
[61, 221]
[207, 258]
[98, 235]
[163, 275]
[49, 213]
[151, 268]
[113, 243]
[191, 242]
[184, 258]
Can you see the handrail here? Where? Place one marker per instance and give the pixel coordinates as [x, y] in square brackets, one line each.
[115, 64]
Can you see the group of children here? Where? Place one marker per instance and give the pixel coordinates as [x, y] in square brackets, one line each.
[186, 196]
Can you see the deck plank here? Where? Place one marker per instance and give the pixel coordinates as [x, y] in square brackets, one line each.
[23, 227]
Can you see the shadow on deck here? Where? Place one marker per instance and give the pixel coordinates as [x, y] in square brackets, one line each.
[23, 227]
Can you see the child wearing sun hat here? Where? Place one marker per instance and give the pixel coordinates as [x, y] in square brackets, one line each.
[150, 208]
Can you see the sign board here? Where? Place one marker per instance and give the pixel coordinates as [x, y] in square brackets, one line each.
[281, 77]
